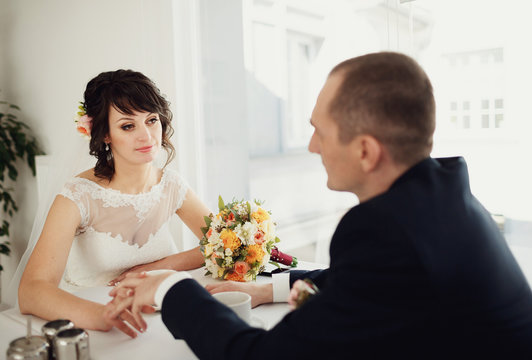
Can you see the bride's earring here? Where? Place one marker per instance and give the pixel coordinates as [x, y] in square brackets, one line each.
[109, 152]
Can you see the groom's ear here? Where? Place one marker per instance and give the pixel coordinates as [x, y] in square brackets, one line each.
[370, 152]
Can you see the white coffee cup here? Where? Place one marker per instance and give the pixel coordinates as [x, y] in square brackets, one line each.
[238, 301]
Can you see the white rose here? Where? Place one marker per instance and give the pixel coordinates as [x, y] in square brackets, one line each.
[214, 238]
[268, 228]
[208, 249]
[265, 259]
[246, 233]
[254, 207]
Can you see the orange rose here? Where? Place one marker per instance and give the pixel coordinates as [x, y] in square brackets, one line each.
[255, 253]
[241, 267]
[234, 276]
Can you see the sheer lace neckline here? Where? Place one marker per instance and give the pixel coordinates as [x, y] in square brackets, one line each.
[153, 189]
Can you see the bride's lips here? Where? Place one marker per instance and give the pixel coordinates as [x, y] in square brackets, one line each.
[145, 149]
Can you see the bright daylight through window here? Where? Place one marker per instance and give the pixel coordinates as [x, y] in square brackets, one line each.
[479, 66]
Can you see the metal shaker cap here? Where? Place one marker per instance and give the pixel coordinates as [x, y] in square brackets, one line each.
[26, 348]
[53, 327]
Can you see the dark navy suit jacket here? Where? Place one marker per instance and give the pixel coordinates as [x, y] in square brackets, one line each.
[420, 271]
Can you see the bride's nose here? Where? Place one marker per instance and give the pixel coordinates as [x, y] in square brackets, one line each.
[144, 133]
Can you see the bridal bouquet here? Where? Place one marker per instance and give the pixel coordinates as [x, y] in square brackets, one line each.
[238, 242]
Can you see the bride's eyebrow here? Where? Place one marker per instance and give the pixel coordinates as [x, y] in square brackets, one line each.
[131, 119]
[125, 118]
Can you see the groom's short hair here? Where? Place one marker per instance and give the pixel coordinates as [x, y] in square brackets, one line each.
[389, 96]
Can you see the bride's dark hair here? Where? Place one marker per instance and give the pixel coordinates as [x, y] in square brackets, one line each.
[127, 91]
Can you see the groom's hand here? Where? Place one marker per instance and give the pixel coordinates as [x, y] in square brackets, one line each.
[260, 293]
[136, 293]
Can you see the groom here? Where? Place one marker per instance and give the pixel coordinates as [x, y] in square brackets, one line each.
[417, 270]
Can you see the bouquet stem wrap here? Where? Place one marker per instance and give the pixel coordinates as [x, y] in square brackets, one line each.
[282, 258]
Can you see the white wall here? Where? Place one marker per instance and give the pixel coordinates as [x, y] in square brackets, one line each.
[51, 49]
[3, 41]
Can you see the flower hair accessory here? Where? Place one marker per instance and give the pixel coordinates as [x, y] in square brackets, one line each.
[83, 121]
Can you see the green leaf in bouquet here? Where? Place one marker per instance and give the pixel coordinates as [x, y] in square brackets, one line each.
[277, 239]
[237, 217]
[274, 263]
[225, 273]
[208, 273]
[208, 221]
[294, 262]
[220, 262]
[221, 204]
[248, 206]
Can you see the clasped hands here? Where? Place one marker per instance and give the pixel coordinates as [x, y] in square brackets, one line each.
[135, 295]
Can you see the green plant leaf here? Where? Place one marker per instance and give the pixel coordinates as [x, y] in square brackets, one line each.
[15, 143]
[4, 249]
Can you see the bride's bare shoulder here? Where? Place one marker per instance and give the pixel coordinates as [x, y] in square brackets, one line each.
[89, 175]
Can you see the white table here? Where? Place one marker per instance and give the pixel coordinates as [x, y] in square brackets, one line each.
[155, 343]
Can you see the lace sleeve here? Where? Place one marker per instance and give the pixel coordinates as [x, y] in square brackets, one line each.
[72, 192]
[179, 188]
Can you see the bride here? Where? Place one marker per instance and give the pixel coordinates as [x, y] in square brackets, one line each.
[115, 216]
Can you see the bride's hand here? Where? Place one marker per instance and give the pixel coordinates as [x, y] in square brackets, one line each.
[260, 293]
[156, 265]
[119, 321]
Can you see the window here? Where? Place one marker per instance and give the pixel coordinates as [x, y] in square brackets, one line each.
[477, 65]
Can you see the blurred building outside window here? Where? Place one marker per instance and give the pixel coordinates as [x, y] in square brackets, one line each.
[479, 67]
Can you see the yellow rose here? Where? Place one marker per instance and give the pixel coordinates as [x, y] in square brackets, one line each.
[230, 239]
[255, 253]
[260, 215]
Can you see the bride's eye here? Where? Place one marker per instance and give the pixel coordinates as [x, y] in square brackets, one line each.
[153, 120]
[126, 127]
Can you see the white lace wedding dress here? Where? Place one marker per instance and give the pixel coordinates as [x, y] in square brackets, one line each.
[119, 231]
